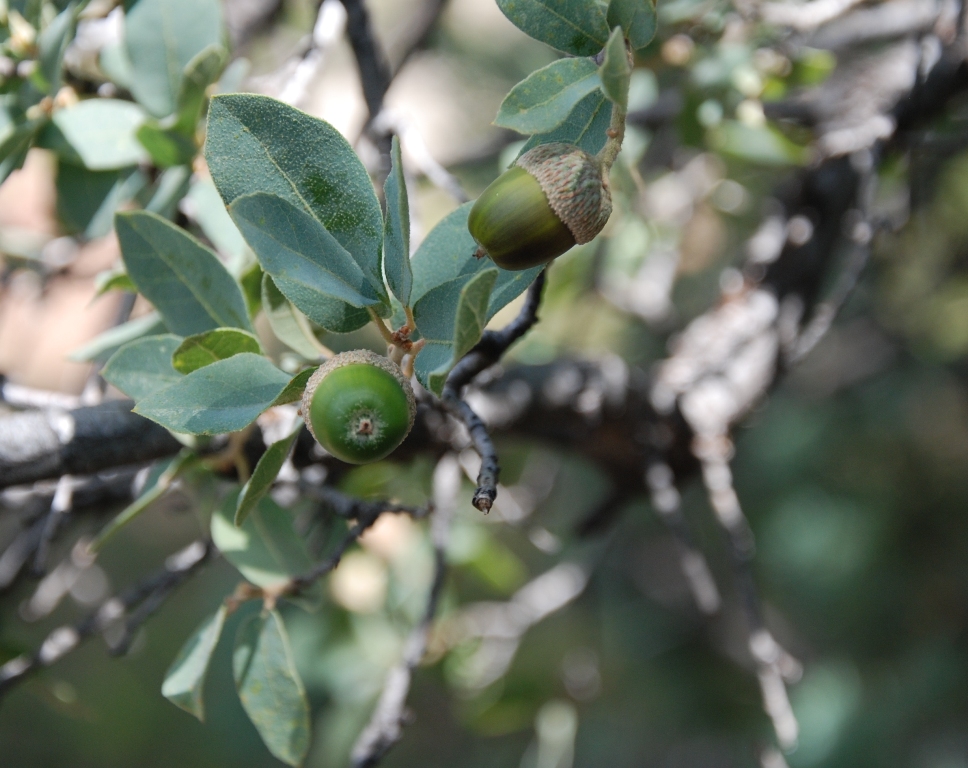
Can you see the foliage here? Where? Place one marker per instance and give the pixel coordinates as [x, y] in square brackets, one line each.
[293, 244]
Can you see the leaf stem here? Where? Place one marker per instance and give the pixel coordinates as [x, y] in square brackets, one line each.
[616, 133]
[385, 332]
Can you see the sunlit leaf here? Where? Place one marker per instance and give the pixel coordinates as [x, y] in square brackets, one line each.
[269, 686]
[185, 677]
[206, 348]
[222, 397]
[544, 100]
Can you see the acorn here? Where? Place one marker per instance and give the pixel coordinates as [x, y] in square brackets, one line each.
[359, 406]
[554, 197]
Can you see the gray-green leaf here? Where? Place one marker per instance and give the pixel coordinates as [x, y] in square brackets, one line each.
[572, 26]
[452, 316]
[285, 323]
[105, 344]
[545, 98]
[448, 252]
[206, 348]
[203, 70]
[102, 132]
[143, 367]
[264, 474]
[306, 262]
[396, 229]
[162, 37]
[183, 279]
[585, 126]
[222, 397]
[258, 144]
[269, 687]
[295, 388]
[185, 677]
[51, 45]
[616, 71]
[636, 18]
[266, 548]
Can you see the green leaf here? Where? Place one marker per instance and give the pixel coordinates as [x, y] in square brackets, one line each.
[264, 474]
[157, 486]
[185, 677]
[162, 37]
[258, 144]
[113, 280]
[51, 45]
[167, 146]
[183, 279]
[200, 72]
[169, 190]
[453, 316]
[206, 348]
[251, 282]
[585, 126]
[545, 98]
[396, 229]
[105, 344]
[265, 549]
[285, 322]
[636, 18]
[269, 687]
[16, 143]
[222, 397]
[616, 71]
[143, 367]
[87, 200]
[448, 252]
[205, 206]
[102, 132]
[295, 388]
[572, 26]
[114, 63]
[306, 262]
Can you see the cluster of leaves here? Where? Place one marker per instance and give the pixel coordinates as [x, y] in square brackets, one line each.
[326, 256]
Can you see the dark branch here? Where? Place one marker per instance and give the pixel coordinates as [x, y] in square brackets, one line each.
[375, 74]
[486, 353]
[37, 445]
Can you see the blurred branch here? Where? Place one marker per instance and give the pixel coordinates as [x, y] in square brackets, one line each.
[487, 352]
[42, 444]
[386, 723]
[366, 513]
[134, 606]
[375, 76]
[807, 16]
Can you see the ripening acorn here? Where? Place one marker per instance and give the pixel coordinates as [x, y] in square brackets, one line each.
[554, 197]
[359, 406]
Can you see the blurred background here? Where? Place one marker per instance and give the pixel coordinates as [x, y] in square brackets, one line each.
[853, 471]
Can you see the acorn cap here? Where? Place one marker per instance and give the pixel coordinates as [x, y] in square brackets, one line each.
[573, 183]
[355, 357]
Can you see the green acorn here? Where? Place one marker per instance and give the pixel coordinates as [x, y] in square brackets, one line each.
[554, 197]
[359, 406]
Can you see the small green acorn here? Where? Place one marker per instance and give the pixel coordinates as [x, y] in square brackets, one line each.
[554, 197]
[359, 406]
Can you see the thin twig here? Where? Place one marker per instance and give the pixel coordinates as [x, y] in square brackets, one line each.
[487, 352]
[148, 593]
[667, 502]
[386, 724]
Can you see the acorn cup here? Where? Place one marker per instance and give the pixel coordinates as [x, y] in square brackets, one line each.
[359, 406]
[554, 197]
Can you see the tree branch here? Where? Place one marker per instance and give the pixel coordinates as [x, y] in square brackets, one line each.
[487, 352]
[145, 597]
